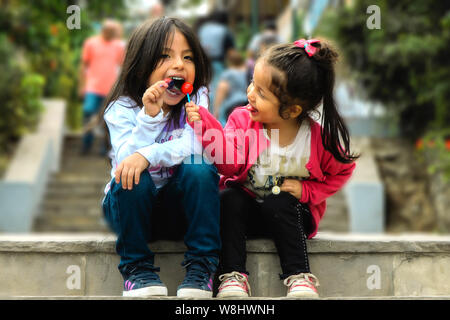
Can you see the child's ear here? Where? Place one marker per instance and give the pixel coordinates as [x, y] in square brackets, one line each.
[295, 111]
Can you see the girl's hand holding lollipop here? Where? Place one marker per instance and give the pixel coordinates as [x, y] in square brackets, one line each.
[192, 112]
[191, 108]
[153, 98]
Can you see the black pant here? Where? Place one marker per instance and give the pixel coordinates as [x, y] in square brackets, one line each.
[280, 217]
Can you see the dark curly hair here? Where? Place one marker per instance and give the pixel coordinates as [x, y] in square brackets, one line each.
[298, 79]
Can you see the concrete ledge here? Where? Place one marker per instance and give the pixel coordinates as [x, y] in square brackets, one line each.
[347, 265]
[169, 298]
[365, 192]
[52, 124]
[25, 180]
[24, 183]
[322, 243]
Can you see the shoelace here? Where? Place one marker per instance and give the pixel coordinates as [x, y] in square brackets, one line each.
[309, 278]
[237, 276]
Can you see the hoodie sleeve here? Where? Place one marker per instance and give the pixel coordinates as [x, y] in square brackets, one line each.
[221, 145]
[130, 132]
[173, 152]
[336, 174]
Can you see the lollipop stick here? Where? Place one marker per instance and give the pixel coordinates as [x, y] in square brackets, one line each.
[189, 99]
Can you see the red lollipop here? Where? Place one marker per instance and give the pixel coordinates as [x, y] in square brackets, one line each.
[187, 88]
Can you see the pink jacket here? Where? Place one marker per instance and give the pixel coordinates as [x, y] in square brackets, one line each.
[327, 175]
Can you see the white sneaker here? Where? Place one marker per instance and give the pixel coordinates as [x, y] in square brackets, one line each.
[234, 284]
[302, 285]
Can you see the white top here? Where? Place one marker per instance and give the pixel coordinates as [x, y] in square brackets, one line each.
[131, 130]
[276, 161]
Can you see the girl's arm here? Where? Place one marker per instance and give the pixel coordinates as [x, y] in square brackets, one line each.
[130, 133]
[336, 174]
[220, 144]
[173, 152]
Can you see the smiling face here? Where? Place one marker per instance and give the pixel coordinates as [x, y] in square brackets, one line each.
[263, 104]
[177, 61]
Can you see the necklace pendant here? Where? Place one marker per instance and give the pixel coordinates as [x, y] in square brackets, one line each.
[276, 190]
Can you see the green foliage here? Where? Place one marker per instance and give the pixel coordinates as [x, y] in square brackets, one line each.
[434, 150]
[38, 30]
[404, 64]
[243, 34]
[98, 10]
[30, 92]
[20, 93]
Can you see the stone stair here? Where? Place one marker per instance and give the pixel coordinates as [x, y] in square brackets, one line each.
[73, 198]
[348, 266]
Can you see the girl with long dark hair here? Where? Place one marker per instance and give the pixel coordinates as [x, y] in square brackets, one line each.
[160, 186]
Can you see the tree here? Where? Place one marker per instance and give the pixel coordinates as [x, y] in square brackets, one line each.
[404, 64]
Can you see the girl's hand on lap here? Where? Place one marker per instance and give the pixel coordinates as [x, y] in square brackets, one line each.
[153, 98]
[130, 170]
[292, 186]
[192, 112]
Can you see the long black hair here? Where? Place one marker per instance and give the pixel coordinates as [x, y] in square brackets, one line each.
[143, 54]
[309, 81]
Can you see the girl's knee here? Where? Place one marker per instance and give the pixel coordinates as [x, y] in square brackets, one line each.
[233, 202]
[275, 205]
[283, 198]
[232, 197]
[145, 187]
[199, 173]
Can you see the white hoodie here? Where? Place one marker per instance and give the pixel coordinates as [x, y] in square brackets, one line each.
[131, 130]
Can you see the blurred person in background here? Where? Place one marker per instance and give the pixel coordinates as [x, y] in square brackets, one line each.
[232, 87]
[119, 33]
[101, 59]
[216, 39]
[259, 43]
[157, 10]
[269, 31]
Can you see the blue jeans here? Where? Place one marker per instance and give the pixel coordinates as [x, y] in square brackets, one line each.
[187, 206]
[91, 106]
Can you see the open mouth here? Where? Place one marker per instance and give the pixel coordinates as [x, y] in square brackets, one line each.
[174, 88]
[252, 109]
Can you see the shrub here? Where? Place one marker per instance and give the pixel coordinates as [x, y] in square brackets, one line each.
[20, 93]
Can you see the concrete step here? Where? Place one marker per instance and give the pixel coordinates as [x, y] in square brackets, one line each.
[74, 212]
[72, 203]
[70, 223]
[173, 298]
[336, 217]
[75, 178]
[68, 190]
[347, 265]
[76, 186]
